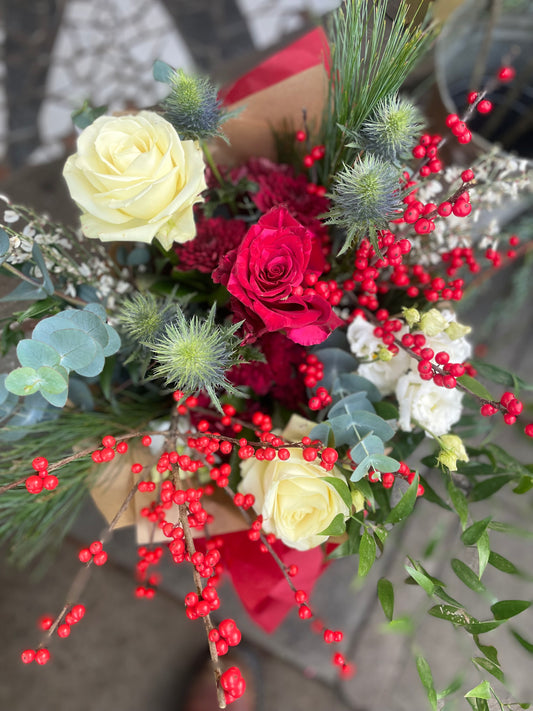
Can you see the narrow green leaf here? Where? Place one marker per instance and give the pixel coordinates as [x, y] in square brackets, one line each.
[448, 599]
[509, 528]
[431, 495]
[386, 597]
[475, 386]
[421, 579]
[504, 609]
[501, 563]
[483, 552]
[458, 616]
[405, 505]
[474, 532]
[481, 691]
[499, 375]
[490, 667]
[525, 644]
[426, 677]
[342, 489]
[459, 503]
[524, 485]
[485, 489]
[454, 686]
[367, 554]
[488, 650]
[336, 528]
[467, 575]
[478, 627]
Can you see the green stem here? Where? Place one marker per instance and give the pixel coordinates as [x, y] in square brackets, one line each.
[211, 163]
[70, 299]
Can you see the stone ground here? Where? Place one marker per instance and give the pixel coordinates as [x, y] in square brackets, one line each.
[132, 655]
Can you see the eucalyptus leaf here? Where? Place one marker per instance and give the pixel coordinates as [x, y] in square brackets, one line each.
[323, 432]
[383, 463]
[369, 445]
[87, 322]
[348, 383]
[76, 349]
[95, 307]
[336, 361]
[34, 354]
[4, 245]
[57, 400]
[361, 470]
[22, 381]
[162, 72]
[113, 343]
[351, 403]
[51, 380]
[24, 292]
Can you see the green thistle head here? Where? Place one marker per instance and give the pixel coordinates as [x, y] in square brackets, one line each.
[192, 106]
[365, 197]
[392, 129]
[143, 317]
[195, 355]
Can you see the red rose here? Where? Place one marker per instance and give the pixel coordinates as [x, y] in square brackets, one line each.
[265, 275]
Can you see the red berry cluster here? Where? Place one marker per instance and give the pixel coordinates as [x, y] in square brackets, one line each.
[109, 447]
[148, 581]
[388, 478]
[95, 553]
[427, 149]
[35, 483]
[41, 656]
[226, 635]
[233, 684]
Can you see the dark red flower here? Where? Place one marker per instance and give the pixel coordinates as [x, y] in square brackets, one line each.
[214, 238]
[265, 275]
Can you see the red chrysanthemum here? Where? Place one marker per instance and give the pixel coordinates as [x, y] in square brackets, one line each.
[215, 237]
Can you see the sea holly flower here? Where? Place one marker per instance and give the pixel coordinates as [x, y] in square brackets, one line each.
[135, 180]
[391, 130]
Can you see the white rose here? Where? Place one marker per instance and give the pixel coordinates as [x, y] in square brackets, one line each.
[364, 345]
[293, 497]
[435, 409]
[134, 179]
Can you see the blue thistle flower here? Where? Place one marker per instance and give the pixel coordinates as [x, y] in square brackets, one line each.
[192, 106]
[195, 355]
[143, 317]
[365, 197]
[392, 129]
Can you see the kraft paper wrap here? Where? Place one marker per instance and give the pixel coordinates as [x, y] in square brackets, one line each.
[276, 108]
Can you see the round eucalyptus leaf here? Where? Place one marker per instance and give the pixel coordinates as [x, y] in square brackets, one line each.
[76, 349]
[52, 381]
[98, 309]
[34, 354]
[114, 341]
[23, 381]
[57, 400]
[96, 365]
[87, 322]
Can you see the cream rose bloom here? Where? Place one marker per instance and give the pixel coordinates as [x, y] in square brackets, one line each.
[134, 179]
[293, 497]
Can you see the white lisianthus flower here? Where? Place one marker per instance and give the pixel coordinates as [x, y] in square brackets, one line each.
[434, 408]
[293, 497]
[134, 179]
[365, 346]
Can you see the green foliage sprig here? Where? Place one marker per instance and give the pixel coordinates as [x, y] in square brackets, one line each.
[371, 55]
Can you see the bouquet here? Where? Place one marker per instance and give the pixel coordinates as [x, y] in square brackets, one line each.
[265, 371]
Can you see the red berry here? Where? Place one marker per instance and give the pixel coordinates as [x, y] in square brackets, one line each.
[300, 136]
[50, 482]
[63, 631]
[467, 175]
[485, 106]
[85, 555]
[506, 73]
[39, 464]
[95, 547]
[528, 429]
[100, 558]
[27, 656]
[34, 484]
[42, 656]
